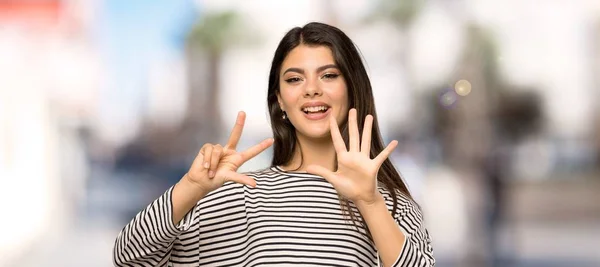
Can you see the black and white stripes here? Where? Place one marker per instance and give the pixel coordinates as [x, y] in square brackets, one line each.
[289, 219]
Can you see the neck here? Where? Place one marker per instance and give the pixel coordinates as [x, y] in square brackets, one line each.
[310, 151]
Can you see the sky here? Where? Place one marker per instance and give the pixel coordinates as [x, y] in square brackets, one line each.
[132, 36]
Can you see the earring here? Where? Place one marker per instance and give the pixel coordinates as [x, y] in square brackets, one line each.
[284, 116]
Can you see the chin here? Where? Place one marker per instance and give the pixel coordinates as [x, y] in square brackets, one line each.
[316, 133]
[322, 135]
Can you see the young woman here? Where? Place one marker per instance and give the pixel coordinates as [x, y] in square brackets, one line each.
[330, 198]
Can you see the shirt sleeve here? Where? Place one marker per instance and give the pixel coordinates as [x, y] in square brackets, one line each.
[148, 238]
[417, 250]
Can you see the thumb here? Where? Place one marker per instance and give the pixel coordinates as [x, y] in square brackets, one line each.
[238, 178]
[324, 172]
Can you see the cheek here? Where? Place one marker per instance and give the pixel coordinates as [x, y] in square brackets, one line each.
[342, 100]
[340, 95]
[287, 97]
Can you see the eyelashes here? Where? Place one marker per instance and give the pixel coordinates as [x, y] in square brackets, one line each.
[330, 75]
[292, 80]
[326, 76]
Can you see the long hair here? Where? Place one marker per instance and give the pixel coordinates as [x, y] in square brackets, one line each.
[360, 96]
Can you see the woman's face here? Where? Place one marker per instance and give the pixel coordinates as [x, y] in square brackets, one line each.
[312, 89]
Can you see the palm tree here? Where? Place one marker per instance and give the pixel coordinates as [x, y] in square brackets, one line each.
[476, 131]
[210, 38]
[596, 83]
[401, 14]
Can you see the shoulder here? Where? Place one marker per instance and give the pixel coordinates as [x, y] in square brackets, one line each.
[275, 173]
[267, 171]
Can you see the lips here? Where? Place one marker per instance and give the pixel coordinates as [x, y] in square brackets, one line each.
[317, 116]
[314, 107]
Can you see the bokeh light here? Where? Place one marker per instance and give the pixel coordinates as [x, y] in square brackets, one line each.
[462, 87]
[448, 98]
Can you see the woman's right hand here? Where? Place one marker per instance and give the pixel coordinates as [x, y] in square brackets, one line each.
[215, 164]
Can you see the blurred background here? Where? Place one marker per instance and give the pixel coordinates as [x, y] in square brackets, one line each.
[105, 103]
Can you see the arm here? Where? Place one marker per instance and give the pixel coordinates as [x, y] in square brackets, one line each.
[401, 241]
[186, 195]
[148, 238]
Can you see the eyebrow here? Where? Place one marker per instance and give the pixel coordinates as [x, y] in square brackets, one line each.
[319, 69]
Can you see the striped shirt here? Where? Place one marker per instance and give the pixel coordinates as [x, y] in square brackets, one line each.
[289, 219]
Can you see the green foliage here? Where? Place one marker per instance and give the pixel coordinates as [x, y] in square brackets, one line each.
[218, 31]
[401, 12]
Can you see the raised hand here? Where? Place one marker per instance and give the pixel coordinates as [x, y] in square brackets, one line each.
[215, 164]
[356, 175]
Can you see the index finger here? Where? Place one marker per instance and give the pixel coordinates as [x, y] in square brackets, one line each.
[256, 149]
[236, 132]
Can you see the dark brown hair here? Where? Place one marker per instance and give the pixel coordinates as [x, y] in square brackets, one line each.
[360, 96]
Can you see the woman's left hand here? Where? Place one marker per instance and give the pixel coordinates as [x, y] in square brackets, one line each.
[356, 175]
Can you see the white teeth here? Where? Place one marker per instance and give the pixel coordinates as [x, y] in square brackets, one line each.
[314, 109]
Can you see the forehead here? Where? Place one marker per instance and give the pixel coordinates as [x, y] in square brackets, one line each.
[308, 57]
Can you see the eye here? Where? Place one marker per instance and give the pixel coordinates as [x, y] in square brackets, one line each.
[330, 76]
[292, 80]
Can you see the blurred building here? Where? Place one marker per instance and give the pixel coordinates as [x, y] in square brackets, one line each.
[49, 76]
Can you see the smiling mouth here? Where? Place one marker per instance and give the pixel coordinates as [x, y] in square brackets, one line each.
[315, 109]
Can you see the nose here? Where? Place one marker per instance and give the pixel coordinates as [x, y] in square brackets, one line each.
[312, 88]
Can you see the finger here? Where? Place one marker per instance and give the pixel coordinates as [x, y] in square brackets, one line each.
[385, 153]
[353, 131]
[208, 148]
[256, 149]
[323, 172]
[236, 132]
[240, 179]
[214, 160]
[336, 136]
[365, 144]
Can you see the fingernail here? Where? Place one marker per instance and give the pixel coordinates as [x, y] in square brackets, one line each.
[206, 165]
[211, 174]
